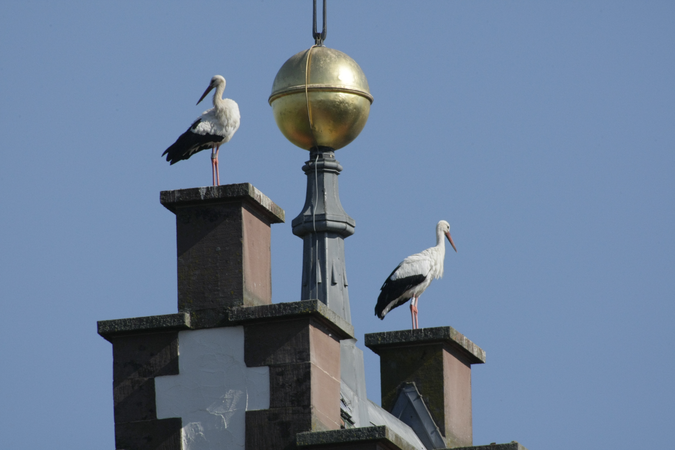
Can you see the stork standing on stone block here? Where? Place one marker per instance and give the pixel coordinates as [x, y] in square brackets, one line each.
[411, 278]
[212, 129]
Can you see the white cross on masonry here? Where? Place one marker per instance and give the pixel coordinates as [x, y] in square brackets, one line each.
[213, 390]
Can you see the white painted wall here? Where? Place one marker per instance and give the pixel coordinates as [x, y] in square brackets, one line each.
[213, 390]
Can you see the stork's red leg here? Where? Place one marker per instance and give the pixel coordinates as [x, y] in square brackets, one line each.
[217, 168]
[213, 164]
[413, 312]
[417, 323]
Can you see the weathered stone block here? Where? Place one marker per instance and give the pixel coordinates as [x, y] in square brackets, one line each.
[332, 322]
[438, 361]
[275, 428]
[167, 322]
[149, 435]
[291, 384]
[366, 438]
[301, 345]
[305, 366]
[284, 342]
[223, 245]
[134, 400]
[513, 445]
[145, 355]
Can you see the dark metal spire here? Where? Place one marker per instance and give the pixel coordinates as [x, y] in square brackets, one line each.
[323, 224]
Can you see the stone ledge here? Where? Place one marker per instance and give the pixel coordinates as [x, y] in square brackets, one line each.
[317, 439]
[168, 322]
[218, 194]
[513, 445]
[377, 341]
[277, 311]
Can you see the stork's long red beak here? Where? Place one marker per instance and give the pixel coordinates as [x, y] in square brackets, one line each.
[447, 234]
[206, 92]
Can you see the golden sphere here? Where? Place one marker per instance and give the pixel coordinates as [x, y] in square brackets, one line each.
[335, 93]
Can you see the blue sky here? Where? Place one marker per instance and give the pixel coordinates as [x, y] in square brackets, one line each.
[542, 131]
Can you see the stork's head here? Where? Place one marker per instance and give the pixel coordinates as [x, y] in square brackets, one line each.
[444, 227]
[216, 81]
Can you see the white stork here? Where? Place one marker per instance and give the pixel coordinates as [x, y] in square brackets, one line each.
[415, 273]
[211, 130]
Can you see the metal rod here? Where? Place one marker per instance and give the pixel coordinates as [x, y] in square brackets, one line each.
[319, 37]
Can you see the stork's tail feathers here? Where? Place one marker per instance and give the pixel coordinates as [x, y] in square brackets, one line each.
[386, 304]
[380, 312]
[171, 155]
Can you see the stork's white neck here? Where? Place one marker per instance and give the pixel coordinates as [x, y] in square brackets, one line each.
[218, 95]
[440, 249]
[440, 238]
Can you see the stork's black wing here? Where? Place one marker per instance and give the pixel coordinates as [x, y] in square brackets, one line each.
[190, 143]
[391, 293]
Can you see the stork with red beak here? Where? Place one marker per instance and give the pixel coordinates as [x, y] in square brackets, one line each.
[212, 129]
[415, 273]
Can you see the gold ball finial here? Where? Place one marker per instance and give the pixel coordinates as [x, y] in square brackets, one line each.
[320, 98]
